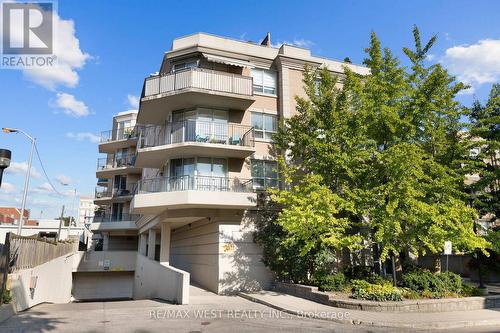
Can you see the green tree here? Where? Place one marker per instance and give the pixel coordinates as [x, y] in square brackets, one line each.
[386, 146]
[484, 159]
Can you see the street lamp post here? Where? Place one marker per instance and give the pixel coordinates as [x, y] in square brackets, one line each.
[5, 156]
[28, 173]
[71, 210]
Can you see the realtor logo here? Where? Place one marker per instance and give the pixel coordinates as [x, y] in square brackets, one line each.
[27, 34]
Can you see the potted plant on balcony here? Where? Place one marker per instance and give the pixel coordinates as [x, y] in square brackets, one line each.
[128, 133]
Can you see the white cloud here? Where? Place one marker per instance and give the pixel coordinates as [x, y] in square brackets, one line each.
[83, 136]
[70, 58]
[63, 179]
[133, 101]
[43, 188]
[20, 168]
[7, 188]
[430, 57]
[70, 105]
[474, 64]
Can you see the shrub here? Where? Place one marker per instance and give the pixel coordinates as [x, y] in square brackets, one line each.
[469, 290]
[434, 285]
[362, 289]
[6, 297]
[358, 272]
[410, 294]
[452, 282]
[330, 282]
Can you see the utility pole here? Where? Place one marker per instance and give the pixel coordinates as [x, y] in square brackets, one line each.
[60, 224]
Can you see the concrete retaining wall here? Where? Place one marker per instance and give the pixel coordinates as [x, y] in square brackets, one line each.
[240, 260]
[426, 305]
[99, 261]
[47, 283]
[194, 249]
[156, 280]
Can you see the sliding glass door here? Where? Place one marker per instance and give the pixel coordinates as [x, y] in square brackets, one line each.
[200, 125]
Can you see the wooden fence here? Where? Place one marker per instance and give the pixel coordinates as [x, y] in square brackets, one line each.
[29, 252]
[21, 252]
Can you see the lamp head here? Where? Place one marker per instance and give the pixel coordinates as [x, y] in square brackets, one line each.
[9, 130]
[5, 156]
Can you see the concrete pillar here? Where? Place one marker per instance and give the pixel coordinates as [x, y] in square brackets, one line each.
[143, 242]
[151, 244]
[165, 244]
[105, 241]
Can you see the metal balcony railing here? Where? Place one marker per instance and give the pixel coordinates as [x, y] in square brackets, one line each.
[104, 192]
[106, 217]
[118, 134]
[196, 183]
[197, 131]
[199, 78]
[115, 161]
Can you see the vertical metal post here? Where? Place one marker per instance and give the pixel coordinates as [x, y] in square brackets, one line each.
[26, 185]
[60, 224]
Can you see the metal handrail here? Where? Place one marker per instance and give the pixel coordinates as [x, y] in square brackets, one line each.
[115, 218]
[117, 134]
[112, 161]
[195, 183]
[197, 131]
[238, 84]
[105, 192]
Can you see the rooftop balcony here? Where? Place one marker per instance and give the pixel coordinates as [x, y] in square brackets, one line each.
[192, 137]
[117, 138]
[105, 195]
[108, 222]
[112, 165]
[158, 194]
[193, 87]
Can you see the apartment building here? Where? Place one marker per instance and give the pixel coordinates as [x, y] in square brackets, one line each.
[86, 210]
[184, 182]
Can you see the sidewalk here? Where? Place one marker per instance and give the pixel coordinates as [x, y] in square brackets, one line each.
[438, 320]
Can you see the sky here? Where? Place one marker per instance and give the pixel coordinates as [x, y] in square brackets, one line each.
[105, 50]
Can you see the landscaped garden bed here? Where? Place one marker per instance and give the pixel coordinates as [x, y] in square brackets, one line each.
[344, 300]
[417, 291]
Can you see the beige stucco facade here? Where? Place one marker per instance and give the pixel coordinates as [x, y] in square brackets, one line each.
[203, 143]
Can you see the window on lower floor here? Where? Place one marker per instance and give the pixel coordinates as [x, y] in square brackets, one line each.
[265, 125]
[264, 174]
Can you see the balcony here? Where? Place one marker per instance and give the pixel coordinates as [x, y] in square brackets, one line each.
[109, 222]
[105, 195]
[112, 165]
[158, 194]
[193, 87]
[118, 138]
[193, 138]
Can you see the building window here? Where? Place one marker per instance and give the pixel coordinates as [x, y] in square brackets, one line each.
[264, 125]
[264, 81]
[264, 173]
[184, 65]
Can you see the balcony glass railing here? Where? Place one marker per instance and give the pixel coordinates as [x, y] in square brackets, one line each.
[115, 161]
[118, 134]
[199, 78]
[104, 192]
[115, 217]
[195, 183]
[197, 131]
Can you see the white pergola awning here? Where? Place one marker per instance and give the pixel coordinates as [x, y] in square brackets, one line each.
[228, 61]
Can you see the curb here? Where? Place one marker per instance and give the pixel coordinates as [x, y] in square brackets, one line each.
[419, 325]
